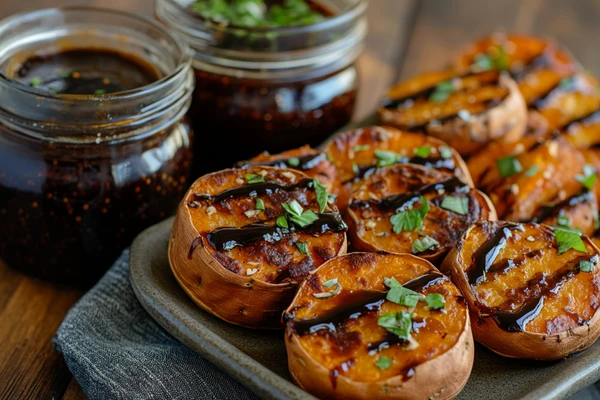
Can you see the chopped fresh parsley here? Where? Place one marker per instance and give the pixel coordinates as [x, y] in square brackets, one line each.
[321, 192]
[383, 363]
[254, 178]
[442, 91]
[298, 215]
[403, 296]
[282, 222]
[508, 166]
[459, 205]
[409, 220]
[423, 151]
[399, 324]
[386, 158]
[260, 204]
[424, 244]
[568, 239]
[586, 266]
[445, 152]
[531, 171]
[589, 177]
[435, 301]
[293, 161]
[361, 147]
[303, 247]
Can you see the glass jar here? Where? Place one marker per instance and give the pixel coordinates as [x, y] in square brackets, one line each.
[268, 88]
[82, 175]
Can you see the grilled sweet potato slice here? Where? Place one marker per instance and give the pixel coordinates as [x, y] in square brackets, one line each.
[238, 254]
[533, 291]
[344, 339]
[357, 153]
[412, 209]
[313, 163]
[466, 109]
[536, 181]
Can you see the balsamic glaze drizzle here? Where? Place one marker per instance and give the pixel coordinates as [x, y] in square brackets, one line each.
[229, 237]
[547, 212]
[305, 162]
[429, 162]
[253, 189]
[398, 201]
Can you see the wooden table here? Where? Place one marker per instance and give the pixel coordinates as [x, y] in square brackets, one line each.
[406, 37]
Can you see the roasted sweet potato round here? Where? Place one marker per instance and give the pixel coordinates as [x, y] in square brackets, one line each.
[412, 209]
[537, 181]
[351, 336]
[313, 163]
[533, 291]
[243, 239]
[357, 154]
[466, 109]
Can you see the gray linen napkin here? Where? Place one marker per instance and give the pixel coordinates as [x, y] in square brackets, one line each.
[116, 351]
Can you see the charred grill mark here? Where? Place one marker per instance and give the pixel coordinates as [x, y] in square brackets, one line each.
[542, 99]
[538, 289]
[229, 237]
[358, 304]
[397, 201]
[258, 188]
[306, 162]
[488, 104]
[446, 164]
[485, 255]
[504, 266]
[357, 261]
[541, 61]
[590, 118]
[547, 212]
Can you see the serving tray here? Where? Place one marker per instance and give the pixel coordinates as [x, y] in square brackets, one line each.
[257, 359]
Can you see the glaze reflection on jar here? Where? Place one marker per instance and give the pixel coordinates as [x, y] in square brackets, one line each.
[94, 142]
[268, 88]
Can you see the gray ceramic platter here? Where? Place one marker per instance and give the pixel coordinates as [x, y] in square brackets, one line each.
[258, 360]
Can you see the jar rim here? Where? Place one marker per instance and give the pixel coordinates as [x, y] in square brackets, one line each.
[183, 63]
[327, 23]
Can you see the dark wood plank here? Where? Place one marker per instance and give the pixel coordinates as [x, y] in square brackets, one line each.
[74, 392]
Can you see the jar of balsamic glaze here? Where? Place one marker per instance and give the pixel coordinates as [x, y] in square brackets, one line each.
[268, 88]
[94, 141]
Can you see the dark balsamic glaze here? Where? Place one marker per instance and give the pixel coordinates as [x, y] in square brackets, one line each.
[592, 117]
[388, 340]
[541, 61]
[254, 189]
[360, 304]
[547, 212]
[515, 321]
[305, 162]
[484, 257]
[227, 238]
[543, 98]
[397, 201]
[440, 121]
[429, 162]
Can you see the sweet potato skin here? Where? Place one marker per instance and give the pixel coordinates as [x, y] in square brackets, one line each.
[438, 368]
[370, 228]
[554, 332]
[219, 281]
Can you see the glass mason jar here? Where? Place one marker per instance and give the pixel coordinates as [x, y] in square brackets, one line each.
[82, 175]
[268, 88]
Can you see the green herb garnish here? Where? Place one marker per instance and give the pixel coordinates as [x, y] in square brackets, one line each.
[424, 244]
[586, 266]
[355, 168]
[383, 363]
[531, 171]
[321, 193]
[508, 166]
[403, 296]
[303, 247]
[282, 222]
[297, 215]
[423, 151]
[260, 204]
[568, 239]
[485, 62]
[459, 205]
[445, 152]
[435, 301]
[409, 220]
[361, 147]
[442, 91]
[563, 221]
[254, 178]
[293, 161]
[589, 177]
[391, 282]
[36, 81]
[100, 91]
[386, 158]
[399, 324]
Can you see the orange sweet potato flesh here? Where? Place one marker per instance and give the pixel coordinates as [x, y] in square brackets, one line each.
[339, 360]
[482, 106]
[526, 298]
[355, 150]
[368, 213]
[313, 163]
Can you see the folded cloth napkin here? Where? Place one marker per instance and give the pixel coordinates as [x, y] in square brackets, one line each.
[116, 351]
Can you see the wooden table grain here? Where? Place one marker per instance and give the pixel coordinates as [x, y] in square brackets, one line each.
[405, 37]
